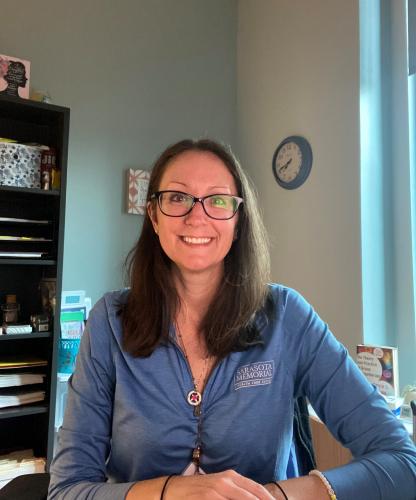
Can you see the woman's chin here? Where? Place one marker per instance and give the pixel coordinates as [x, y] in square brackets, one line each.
[199, 267]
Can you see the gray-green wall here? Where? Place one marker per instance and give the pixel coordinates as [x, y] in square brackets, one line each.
[298, 74]
[137, 76]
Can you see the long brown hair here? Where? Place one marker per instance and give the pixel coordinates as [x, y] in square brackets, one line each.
[153, 302]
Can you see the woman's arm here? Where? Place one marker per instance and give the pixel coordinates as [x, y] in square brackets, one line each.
[78, 470]
[384, 462]
[227, 485]
[300, 488]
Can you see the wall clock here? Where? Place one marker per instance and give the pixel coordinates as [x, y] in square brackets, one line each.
[292, 162]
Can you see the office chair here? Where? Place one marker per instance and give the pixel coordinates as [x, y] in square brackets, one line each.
[26, 487]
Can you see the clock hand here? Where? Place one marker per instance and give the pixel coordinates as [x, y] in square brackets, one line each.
[284, 167]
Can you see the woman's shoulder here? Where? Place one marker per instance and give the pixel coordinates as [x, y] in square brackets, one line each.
[284, 295]
[105, 316]
[116, 299]
[110, 303]
[288, 305]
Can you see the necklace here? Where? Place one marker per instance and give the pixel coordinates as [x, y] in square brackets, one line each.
[194, 396]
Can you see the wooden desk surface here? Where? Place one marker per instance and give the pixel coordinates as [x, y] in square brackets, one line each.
[329, 453]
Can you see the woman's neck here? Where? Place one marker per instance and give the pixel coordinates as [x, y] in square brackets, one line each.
[196, 292]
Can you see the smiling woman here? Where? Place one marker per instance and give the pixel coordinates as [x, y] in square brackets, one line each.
[189, 234]
[186, 384]
[198, 244]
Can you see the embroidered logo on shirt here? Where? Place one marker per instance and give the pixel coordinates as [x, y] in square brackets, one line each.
[260, 373]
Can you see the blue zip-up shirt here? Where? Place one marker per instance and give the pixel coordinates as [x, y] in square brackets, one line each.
[127, 418]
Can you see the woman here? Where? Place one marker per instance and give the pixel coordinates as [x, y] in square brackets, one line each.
[185, 383]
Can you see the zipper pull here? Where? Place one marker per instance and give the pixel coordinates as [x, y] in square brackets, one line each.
[196, 454]
[197, 410]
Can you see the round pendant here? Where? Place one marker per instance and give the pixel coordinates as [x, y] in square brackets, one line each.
[194, 397]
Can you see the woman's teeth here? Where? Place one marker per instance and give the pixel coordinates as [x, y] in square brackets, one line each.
[195, 241]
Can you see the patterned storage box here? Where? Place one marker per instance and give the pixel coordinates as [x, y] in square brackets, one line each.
[19, 165]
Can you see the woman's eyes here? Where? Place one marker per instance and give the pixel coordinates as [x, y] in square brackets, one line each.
[213, 201]
[177, 198]
[218, 202]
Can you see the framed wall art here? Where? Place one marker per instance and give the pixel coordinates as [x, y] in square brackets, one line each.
[137, 185]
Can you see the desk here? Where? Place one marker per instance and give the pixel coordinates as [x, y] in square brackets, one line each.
[328, 451]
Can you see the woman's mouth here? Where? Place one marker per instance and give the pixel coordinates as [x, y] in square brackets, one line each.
[190, 240]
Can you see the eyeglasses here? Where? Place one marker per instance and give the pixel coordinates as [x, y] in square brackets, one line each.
[178, 204]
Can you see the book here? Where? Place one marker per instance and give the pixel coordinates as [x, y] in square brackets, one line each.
[25, 378]
[380, 365]
[72, 322]
[25, 255]
[16, 396]
[21, 238]
[14, 76]
[7, 362]
[16, 220]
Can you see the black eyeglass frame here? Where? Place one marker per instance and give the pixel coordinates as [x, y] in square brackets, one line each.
[157, 194]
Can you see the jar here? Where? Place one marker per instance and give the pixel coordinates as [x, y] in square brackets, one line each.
[47, 287]
[50, 172]
[10, 310]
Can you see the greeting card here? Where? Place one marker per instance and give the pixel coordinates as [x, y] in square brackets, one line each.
[14, 76]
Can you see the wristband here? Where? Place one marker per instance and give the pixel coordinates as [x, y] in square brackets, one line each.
[165, 484]
[281, 489]
[327, 484]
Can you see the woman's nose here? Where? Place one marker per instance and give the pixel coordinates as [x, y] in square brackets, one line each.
[197, 213]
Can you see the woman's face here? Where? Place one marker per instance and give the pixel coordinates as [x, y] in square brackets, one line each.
[196, 243]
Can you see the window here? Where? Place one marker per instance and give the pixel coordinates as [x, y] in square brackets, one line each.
[388, 179]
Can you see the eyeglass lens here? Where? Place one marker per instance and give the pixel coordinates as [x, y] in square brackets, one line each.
[218, 206]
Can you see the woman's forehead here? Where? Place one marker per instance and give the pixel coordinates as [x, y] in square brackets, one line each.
[197, 168]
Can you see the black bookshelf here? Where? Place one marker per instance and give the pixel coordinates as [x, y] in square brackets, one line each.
[32, 425]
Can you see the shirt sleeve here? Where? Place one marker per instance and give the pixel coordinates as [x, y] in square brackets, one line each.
[384, 464]
[78, 468]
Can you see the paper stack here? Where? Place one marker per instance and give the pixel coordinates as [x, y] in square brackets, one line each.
[18, 463]
[20, 396]
[13, 379]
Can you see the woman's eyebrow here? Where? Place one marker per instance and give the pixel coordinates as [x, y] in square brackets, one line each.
[208, 187]
[177, 182]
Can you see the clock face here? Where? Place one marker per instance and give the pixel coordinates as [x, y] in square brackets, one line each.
[292, 162]
[288, 162]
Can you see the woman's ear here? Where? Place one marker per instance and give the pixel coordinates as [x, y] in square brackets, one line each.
[152, 215]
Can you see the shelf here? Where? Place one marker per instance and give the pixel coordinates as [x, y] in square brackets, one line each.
[21, 411]
[34, 191]
[31, 222]
[31, 425]
[33, 111]
[27, 262]
[34, 335]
